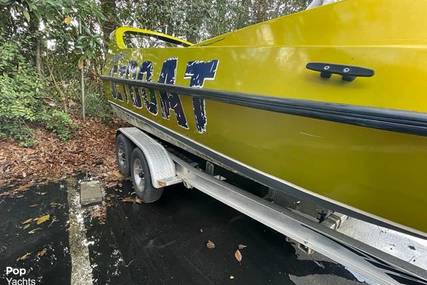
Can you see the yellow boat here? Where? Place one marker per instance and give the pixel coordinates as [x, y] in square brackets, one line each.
[329, 104]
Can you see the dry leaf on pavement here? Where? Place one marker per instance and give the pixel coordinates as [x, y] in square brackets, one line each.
[238, 255]
[27, 221]
[42, 219]
[24, 257]
[128, 200]
[34, 230]
[42, 252]
[210, 244]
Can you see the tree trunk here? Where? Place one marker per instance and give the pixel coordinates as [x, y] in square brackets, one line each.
[108, 8]
[33, 32]
[39, 56]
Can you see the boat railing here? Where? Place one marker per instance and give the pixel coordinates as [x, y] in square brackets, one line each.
[118, 37]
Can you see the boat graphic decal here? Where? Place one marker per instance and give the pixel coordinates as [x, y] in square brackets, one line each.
[198, 72]
[114, 91]
[134, 94]
[139, 96]
[171, 100]
[148, 94]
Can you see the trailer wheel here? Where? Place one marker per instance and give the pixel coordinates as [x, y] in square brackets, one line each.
[123, 153]
[141, 178]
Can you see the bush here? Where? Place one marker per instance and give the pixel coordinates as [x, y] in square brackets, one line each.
[21, 102]
[59, 123]
[97, 106]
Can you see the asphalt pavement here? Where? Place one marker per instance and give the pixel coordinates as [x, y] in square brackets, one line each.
[160, 243]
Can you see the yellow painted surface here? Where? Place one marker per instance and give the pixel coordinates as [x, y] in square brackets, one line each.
[380, 172]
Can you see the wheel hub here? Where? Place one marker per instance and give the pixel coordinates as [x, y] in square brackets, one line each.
[121, 154]
[139, 175]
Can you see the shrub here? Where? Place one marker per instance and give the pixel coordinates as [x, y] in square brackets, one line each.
[97, 105]
[59, 123]
[21, 102]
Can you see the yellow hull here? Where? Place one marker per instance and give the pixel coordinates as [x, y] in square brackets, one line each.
[372, 165]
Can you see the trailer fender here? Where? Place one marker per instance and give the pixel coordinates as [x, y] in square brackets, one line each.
[161, 166]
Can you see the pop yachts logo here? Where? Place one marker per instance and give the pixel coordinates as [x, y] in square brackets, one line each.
[16, 276]
[196, 71]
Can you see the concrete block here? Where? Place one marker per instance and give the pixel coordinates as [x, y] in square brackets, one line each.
[91, 192]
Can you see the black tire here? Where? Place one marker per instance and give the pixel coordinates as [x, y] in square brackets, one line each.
[141, 178]
[123, 154]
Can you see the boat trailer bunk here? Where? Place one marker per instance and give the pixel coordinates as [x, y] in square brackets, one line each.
[379, 254]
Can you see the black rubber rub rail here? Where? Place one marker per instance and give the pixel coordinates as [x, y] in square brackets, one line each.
[383, 119]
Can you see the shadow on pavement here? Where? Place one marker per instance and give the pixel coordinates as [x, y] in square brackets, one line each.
[160, 243]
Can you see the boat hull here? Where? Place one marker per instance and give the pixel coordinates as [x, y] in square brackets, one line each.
[359, 145]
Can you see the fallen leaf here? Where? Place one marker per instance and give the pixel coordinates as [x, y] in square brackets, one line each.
[24, 257]
[43, 219]
[52, 159]
[137, 200]
[242, 246]
[238, 255]
[99, 213]
[210, 244]
[128, 200]
[42, 252]
[27, 221]
[35, 230]
[26, 226]
[33, 205]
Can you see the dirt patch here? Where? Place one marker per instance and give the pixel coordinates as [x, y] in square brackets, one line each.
[91, 150]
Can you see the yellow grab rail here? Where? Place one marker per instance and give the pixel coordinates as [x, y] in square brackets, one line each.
[118, 36]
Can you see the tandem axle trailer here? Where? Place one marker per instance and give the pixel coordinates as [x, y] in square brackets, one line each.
[361, 247]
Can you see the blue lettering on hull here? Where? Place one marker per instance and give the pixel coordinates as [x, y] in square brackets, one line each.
[149, 95]
[168, 100]
[196, 71]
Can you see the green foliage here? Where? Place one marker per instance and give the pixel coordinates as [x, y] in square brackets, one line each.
[201, 19]
[21, 133]
[21, 102]
[59, 123]
[97, 106]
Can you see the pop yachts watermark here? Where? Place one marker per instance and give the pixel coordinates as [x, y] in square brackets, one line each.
[16, 276]
[196, 71]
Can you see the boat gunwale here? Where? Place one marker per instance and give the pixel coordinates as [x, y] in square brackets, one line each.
[402, 121]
